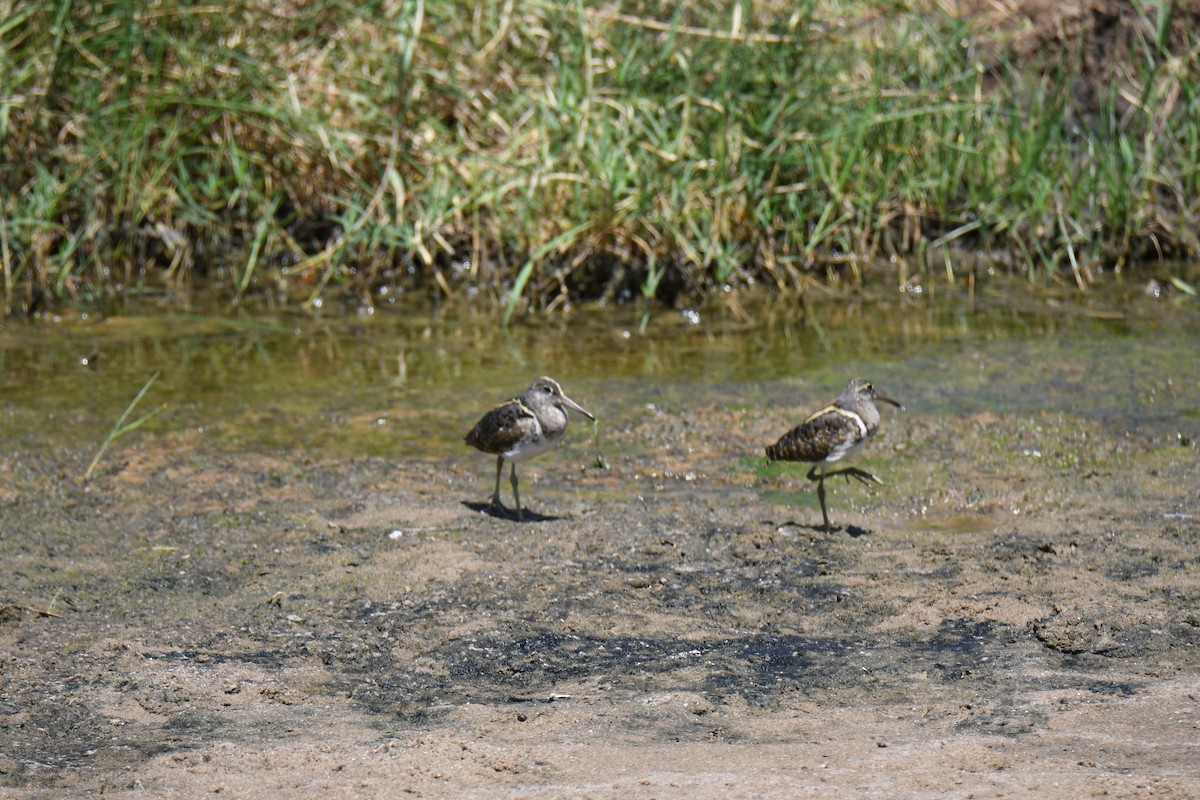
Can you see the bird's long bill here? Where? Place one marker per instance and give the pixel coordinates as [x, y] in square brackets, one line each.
[569, 403]
[890, 400]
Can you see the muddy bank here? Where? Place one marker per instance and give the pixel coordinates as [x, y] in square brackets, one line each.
[280, 622]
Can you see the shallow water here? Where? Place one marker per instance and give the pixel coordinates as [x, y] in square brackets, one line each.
[408, 383]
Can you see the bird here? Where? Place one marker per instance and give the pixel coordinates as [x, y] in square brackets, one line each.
[522, 428]
[827, 436]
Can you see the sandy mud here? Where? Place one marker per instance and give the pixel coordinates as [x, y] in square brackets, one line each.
[998, 620]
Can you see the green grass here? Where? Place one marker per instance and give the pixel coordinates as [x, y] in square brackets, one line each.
[541, 153]
[121, 427]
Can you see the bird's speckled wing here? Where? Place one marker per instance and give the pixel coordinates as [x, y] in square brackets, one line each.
[502, 428]
[819, 437]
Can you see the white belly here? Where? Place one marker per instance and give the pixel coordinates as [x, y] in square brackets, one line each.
[530, 447]
[844, 450]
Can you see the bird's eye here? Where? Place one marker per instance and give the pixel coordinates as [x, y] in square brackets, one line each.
[547, 390]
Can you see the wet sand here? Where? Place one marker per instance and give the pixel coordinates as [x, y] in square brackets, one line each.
[282, 623]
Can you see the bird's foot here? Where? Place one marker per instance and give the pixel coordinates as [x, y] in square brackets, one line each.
[860, 475]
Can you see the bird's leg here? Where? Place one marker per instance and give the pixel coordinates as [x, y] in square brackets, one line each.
[819, 477]
[496, 494]
[858, 474]
[517, 494]
[821, 497]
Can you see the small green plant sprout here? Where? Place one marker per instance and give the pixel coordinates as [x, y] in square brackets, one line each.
[120, 428]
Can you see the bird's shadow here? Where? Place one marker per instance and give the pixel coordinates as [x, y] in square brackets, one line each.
[500, 512]
[853, 531]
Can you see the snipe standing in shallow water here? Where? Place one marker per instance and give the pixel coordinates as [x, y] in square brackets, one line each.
[522, 428]
[829, 435]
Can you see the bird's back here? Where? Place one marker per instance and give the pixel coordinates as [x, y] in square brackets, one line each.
[826, 436]
[503, 428]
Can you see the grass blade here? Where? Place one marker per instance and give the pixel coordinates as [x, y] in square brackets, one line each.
[563, 239]
[120, 428]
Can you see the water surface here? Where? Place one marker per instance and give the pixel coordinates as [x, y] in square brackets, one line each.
[405, 381]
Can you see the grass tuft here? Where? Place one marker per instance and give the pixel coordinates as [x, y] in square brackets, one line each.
[545, 152]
